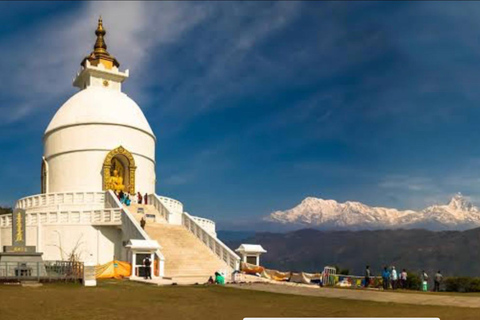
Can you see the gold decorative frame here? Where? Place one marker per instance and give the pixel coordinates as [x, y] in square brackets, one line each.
[107, 164]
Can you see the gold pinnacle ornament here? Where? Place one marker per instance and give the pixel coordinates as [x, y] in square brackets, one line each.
[100, 55]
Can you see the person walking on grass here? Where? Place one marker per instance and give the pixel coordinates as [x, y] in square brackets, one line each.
[385, 278]
[403, 279]
[424, 281]
[437, 280]
[394, 278]
[368, 274]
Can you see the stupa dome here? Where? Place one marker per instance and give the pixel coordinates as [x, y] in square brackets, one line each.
[99, 139]
[96, 105]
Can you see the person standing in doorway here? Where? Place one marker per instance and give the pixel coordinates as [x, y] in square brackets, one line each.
[437, 280]
[139, 197]
[368, 274]
[147, 263]
[145, 199]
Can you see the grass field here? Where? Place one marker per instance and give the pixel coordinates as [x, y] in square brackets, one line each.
[128, 300]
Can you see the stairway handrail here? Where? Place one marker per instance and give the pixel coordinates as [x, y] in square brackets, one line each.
[159, 206]
[205, 233]
[126, 213]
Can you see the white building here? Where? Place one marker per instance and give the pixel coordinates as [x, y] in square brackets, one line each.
[97, 141]
[251, 253]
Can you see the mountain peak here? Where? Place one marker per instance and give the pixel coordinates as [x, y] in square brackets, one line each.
[458, 214]
[459, 202]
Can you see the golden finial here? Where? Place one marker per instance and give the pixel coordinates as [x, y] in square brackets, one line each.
[100, 53]
[100, 46]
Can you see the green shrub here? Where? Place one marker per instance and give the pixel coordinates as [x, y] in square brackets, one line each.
[462, 284]
[414, 282]
[343, 271]
[474, 285]
[5, 210]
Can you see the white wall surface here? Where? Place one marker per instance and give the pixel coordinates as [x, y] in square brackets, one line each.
[75, 156]
[95, 244]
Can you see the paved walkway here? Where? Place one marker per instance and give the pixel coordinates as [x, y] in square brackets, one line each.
[370, 295]
[184, 281]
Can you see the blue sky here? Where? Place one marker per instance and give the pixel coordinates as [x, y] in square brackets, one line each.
[257, 105]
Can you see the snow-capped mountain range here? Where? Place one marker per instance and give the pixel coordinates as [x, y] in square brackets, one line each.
[458, 214]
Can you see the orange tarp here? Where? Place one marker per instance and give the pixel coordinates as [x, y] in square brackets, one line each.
[251, 268]
[113, 269]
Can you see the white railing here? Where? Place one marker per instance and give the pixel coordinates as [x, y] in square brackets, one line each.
[133, 230]
[218, 247]
[172, 204]
[94, 217]
[206, 224]
[6, 220]
[130, 227]
[61, 200]
[155, 201]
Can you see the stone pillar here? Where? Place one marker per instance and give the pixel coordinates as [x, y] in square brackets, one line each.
[152, 271]
[89, 279]
[134, 264]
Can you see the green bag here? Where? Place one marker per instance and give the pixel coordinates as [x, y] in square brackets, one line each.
[424, 286]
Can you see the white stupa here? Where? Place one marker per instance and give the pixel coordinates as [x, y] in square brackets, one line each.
[97, 145]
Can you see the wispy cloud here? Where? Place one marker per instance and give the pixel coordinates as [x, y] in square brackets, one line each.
[55, 48]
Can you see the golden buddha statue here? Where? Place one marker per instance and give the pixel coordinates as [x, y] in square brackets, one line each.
[116, 182]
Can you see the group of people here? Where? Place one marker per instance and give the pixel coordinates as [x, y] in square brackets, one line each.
[391, 277]
[126, 198]
[437, 280]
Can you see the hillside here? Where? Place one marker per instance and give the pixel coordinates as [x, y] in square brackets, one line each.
[453, 252]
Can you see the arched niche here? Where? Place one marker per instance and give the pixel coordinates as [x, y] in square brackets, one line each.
[119, 159]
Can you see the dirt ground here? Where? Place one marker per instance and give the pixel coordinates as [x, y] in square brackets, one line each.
[128, 300]
[398, 296]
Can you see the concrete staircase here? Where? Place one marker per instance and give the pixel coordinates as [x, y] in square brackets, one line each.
[187, 258]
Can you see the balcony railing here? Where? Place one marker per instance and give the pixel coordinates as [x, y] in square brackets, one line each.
[62, 200]
[95, 217]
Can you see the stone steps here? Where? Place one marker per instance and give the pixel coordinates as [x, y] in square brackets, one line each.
[185, 255]
[147, 209]
[187, 258]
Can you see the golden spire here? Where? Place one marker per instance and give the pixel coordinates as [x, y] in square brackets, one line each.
[100, 53]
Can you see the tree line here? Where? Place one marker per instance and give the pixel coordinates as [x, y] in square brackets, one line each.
[5, 210]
